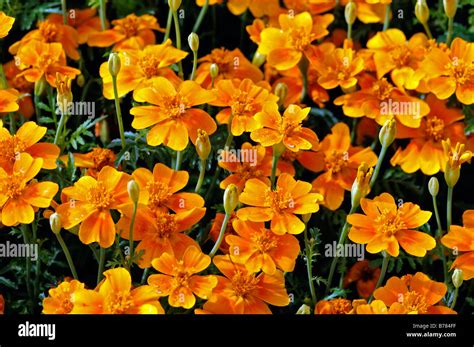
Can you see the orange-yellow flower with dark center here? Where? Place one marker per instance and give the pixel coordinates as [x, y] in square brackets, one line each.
[59, 300]
[20, 195]
[416, 294]
[386, 227]
[179, 281]
[290, 197]
[84, 21]
[9, 100]
[285, 46]
[94, 161]
[242, 99]
[364, 276]
[39, 59]
[286, 129]
[129, 33]
[26, 141]
[6, 23]
[461, 239]
[140, 68]
[115, 295]
[425, 150]
[340, 161]
[261, 249]
[452, 71]
[244, 292]
[172, 115]
[90, 202]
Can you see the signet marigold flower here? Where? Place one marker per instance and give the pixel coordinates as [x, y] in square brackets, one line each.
[6, 23]
[9, 100]
[84, 21]
[94, 161]
[59, 299]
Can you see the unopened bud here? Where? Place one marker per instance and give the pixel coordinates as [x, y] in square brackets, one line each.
[450, 7]
[174, 5]
[231, 198]
[80, 80]
[387, 133]
[258, 59]
[304, 309]
[457, 278]
[55, 223]
[203, 144]
[133, 191]
[306, 217]
[281, 90]
[361, 185]
[193, 41]
[422, 11]
[214, 70]
[40, 86]
[350, 13]
[451, 175]
[114, 64]
[433, 186]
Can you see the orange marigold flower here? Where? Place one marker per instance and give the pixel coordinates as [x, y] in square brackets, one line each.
[261, 8]
[380, 100]
[286, 129]
[242, 99]
[416, 294]
[129, 33]
[84, 21]
[375, 307]
[114, 295]
[25, 88]
[49, 32]
[59, 300]
[179, 281]
[259, 248]
[172, 114]
[90, 203]
[20, 195]
[425, 150]
[340, 162]
[461, 239]
[280, 205]
[26, 141]
[211, 2]
[159, 232]
[38, 59]
[364, 276]
[286, 46]
[244, 292]
[232, 64]
[334, 306]
[139, 69]
[94, 161]
[452, 71]
[6, 23]
[249, 162]
[385, 227]
[216, 229]
[9, 100]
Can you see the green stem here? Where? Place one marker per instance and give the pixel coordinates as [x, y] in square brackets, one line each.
[103, 20]
[439, 233]
[26, 240]
[275, 159]
[59, 130]
[101, 264]
[68, 255]
[386, 21]
[118, 112]
[201, 16]
[382, 154]
[450, 31]
[94, 251]
[52, 106]
[178, 42]
[179, 159]
[449, 209]
[221, 235]
[195, 62]
[12, 123]
[202, 173]
[130, 237]
[455, 298]
[309, 265]
[428, 31]
[64, 10]
[349, 31]
[386, 258]
[145, 275]
[168, 25]
[303, 66]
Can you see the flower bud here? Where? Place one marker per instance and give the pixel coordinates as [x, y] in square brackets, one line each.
[422, 11]
[258, 59]
[306, 217]
[457, 278]
[457, 156]
[304, 309]
[203, 144]
[387, 133]
[451, 175]
[55, 223]
[361, 185]
[193, 41]
[214, 70]
[433, 186]
[350, 13]
[174, 5]
[80, 80]
[133, 191]
[281, 90]
[40, 86]
[114, 64]
[450, 7]
[231, 198]
[64, 96]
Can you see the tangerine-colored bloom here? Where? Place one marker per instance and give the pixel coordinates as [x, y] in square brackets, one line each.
[40, 59]
[286, 129]
[172, 113]
[20, 195]
[457, 154]
[461, 239]
[159, 190]
[232, 64]
[211, 2]
[178, 279]
[292, 79]
[95, 160]
[25, 89]
[334, 306]
[90, 203]
[280, 205]
[139, 69]
[425, 150]
[285, 46]
[261, 8]
[9, 100]
[340, 161]
[26, 141]
[216, 230]
[84, 21]
[159, 232]
[244, 292]
[375, 307]
[129, 33]
[364, 276]
[385, 227]
[49, 32]
[242, 99]
[402, 58]
[380, 100]
[413, 294]
[451, 71]
[259, 248]
[59, 300]
[6, 23]
[250, 162]
[114, 295]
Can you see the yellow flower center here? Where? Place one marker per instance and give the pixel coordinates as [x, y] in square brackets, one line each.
[336, 161]
[242, 104]
[118, 302]
[100, 197]
[45, 60]
[400, 56]
[102, 157]
[414, 301]
[382, 89]
[289, 127]
[64, 298]
[129, 26]
[243, 284]
[224, 60]
[13, 187]
[389, 223]
[174, 106]
[264, 240]
[462, 71]
[10, 148]
[278, 200]
[149, 65]
[159, 193]
[246, 171]
[165, 226]
[341, 306]
[434, 128]
[50, 32]
[299, 38]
